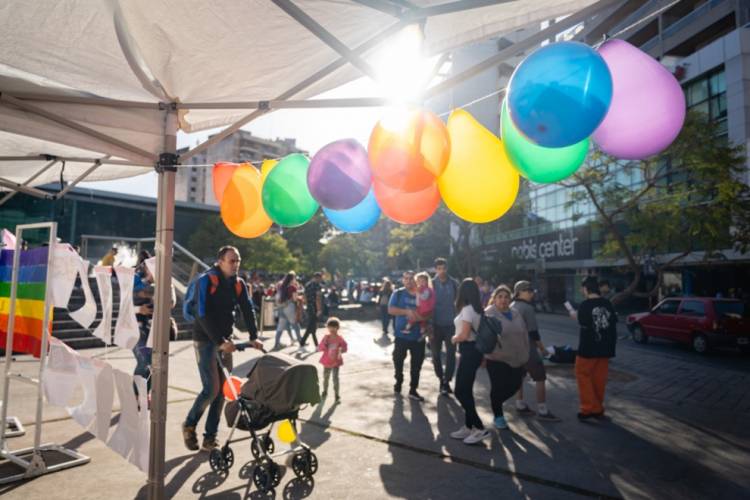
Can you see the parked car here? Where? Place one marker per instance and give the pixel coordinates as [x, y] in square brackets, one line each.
[701, 322]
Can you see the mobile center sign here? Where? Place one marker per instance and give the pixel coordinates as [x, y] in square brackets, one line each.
[562, 245]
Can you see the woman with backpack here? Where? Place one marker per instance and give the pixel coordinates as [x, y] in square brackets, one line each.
[505, 364]
[469, 305]
[287, 306]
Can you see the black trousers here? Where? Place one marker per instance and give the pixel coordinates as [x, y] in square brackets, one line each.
[416, 351]
[312, 327]
[504, 383]
[468, 364]
[442, 335]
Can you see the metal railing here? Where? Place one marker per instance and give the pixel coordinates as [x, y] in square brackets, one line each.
[185, 265]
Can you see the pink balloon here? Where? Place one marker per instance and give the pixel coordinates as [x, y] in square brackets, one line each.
[648, 105]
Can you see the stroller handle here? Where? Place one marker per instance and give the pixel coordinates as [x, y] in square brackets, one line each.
[240, 346]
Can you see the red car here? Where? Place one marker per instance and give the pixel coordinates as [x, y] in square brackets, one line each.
[699, 321]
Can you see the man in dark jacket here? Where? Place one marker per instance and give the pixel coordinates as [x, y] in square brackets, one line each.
[314, 301]
[598, 320]
[216, 293]
[445, 311]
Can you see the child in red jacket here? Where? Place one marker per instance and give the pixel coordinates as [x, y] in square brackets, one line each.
[333, 346]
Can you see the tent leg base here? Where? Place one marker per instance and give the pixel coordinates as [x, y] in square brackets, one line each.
[43, 460]
[14, 428]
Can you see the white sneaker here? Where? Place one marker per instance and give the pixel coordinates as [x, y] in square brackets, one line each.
[461, 433]
[477, 436]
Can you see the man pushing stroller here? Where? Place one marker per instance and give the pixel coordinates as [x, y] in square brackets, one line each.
[210, 302]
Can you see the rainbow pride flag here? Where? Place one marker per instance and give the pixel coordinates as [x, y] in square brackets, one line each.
[32, 276]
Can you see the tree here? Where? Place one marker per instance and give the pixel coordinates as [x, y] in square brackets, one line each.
[269, 252]
[688, 199]
[305, 241]
[416, 246]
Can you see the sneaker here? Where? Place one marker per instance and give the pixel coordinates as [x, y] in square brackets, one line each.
[586, 417]
[324, 394]
[461, 433]
[525, 411]
[547, 416]
[601, 416]
[397, 389]
[209, 443]
[338, 399]
[477, 436]
[190, 438]
[414, 395]
[500, 422]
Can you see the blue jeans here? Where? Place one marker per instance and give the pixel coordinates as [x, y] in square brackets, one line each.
[143, 355]
[385, 318]
[287, 317]
[211, 396]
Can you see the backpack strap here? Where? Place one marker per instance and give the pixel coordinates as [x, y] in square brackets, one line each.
[214, 283]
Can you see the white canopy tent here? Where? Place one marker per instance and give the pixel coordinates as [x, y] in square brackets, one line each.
[98, 89]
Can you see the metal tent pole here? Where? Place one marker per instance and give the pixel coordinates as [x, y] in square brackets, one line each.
[163, 304]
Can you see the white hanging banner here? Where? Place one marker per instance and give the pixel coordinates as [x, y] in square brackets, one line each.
[125, 435]
[139, 457]
[8, 240]
[104, 284]
[126, 328]
[86, 314]
[65, 268]
[61, 373]
[95, 412]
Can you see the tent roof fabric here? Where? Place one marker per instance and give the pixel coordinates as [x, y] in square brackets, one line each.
[185, 51]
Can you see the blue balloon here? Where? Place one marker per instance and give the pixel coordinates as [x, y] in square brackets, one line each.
[560, 94]
[357, 219]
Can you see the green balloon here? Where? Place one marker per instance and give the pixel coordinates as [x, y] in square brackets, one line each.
[286, 198]
[537, 163]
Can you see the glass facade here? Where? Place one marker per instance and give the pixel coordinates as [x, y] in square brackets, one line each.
[84, 211]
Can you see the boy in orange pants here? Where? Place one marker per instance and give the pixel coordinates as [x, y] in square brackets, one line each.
[598, 320]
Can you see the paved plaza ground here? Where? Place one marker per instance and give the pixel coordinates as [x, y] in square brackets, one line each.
[680, 428]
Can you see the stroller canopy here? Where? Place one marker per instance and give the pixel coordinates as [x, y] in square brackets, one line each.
[282, 383]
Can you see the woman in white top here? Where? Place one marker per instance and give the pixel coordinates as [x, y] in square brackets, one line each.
[505, 365]
[469, 305]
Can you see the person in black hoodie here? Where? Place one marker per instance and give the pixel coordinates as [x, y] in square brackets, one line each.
[598, 320]
[212, 304]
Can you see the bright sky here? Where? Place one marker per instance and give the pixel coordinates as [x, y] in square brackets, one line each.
[402, 72]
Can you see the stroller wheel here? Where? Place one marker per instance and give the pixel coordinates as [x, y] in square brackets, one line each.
[263, 476]
[275, 473]
[305, 464]
[216, 461]
[228, 456]
[268, 444]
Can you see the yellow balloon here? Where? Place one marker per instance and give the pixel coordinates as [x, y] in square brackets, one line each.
[479, 184]
[266, 167]
[241, 207]
[286, 432]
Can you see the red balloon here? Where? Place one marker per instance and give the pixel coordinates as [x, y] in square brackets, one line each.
[409, 149]
[222, 174]
[227, 389]
[404, 207]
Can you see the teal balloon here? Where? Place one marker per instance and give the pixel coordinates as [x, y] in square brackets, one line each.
[361, 217]
[286, 197]
[537, 163]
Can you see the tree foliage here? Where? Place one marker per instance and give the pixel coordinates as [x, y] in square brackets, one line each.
[688, 199]
[269, 252]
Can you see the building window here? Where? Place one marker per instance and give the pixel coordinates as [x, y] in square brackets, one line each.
[708, 94]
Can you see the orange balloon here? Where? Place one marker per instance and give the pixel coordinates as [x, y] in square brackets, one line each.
[222, 174]
[408, 149]
[227, 389]
[241, 207]
[407, 208]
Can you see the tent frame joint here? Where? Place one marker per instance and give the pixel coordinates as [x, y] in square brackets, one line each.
[167, 163]
[264, 105]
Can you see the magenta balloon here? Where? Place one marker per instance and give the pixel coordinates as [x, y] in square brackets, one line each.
[648, 106]
[339, 175]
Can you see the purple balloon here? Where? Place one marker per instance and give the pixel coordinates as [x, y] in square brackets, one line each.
[339, 175]
[648, 106]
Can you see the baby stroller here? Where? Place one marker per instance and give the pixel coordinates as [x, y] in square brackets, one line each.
[276, 387]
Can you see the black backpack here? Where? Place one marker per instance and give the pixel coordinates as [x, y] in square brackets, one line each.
[488, 334]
